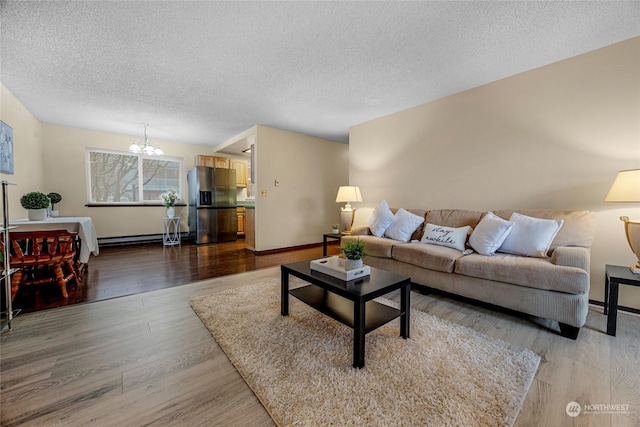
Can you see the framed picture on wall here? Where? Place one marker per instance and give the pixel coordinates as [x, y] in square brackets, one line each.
[6, 148]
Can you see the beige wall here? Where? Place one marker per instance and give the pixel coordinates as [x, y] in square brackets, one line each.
[65, 172]
[553, 137]
[52, 158]
[27, 150]
[309, 171]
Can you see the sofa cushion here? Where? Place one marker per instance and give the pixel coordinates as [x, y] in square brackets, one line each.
[381, 219]
[404, 226]
[361, 217]
[375, 246]
[489, 234]
[452, 237]
[438, 258]
[454, 217]
[578, 228]
[530, 236]
[539, 273]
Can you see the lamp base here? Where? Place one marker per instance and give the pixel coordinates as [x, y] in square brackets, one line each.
[632, 230]
[346, 216]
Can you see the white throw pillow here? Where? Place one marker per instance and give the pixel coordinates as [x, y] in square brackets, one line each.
[381, 219]
[489, 234]
[445, 236]
[404, 226]
[530, 236]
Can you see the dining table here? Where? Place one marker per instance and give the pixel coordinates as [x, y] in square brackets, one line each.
[82, 225]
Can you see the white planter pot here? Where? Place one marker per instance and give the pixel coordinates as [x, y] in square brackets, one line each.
[37, 214]
[171, 212]
[54, 214]
[352, 264]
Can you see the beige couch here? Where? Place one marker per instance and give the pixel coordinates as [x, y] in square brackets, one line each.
[555, 287]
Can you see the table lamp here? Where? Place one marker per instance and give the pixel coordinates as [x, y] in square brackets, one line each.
[626, 189]
[348, 194]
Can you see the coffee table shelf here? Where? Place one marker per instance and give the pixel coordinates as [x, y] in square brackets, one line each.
[349, 302]
[341, 309]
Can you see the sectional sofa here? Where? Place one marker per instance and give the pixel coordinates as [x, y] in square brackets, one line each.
[552, 283]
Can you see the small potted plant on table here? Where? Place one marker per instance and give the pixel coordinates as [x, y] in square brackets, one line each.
[55, 198]
[335, 228]
[354, 251]
[36, 204]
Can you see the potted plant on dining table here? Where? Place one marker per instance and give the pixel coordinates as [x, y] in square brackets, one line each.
[55, 198]
[36, 204]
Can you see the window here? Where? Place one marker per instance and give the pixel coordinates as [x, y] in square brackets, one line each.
[124, 178]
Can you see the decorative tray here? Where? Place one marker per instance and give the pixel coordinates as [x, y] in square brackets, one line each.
[334, 266]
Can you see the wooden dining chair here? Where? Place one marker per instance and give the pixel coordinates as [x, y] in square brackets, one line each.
[42, 257]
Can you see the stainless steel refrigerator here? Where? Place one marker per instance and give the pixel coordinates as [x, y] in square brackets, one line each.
[212, 205]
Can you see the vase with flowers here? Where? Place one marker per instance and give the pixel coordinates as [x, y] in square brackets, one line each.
[170, 198]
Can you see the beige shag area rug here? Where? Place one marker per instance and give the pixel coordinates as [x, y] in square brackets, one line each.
[299, 366]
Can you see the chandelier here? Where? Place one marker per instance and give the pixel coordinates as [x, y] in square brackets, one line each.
[145, 146]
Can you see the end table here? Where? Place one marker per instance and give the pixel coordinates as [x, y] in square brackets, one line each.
[616, 275]
[325, 236]
[171, 232]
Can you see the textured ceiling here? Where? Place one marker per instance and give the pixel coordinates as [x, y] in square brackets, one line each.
[201, 72]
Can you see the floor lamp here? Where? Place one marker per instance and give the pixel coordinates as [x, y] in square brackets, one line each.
[347, 194]
[626, 189]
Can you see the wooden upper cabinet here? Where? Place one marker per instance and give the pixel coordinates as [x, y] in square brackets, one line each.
[221, 162]
[212, 161]
[240, 166]
[204, 160]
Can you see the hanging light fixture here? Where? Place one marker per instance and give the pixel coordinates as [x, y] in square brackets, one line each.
[145, 146]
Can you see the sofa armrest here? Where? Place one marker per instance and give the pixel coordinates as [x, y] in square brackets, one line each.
[360, 231]
[572, 256]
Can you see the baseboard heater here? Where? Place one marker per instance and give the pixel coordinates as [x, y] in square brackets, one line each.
[131, 240]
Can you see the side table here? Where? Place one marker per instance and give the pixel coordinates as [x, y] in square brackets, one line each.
[325, 236]
[171, 232]
[616, 275]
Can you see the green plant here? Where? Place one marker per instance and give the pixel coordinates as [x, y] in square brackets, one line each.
[55, 198]
[35, 200]
[354, 249]
[335, 226]
[170, 198]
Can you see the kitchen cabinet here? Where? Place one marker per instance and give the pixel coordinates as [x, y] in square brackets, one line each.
[241, 219]
[212, 161]
[241, 167]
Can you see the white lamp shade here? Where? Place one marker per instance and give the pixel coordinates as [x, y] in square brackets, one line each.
[135, 148]
[348, 194]
[625, 188]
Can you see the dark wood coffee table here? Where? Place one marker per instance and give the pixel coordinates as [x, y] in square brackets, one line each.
[354, 307]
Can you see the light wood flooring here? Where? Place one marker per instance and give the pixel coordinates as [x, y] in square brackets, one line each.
[147, 359]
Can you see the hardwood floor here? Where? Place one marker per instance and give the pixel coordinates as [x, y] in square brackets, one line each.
[132, 269]
[146, 359]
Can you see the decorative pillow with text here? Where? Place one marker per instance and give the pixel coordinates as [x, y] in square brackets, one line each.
[445, 236]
